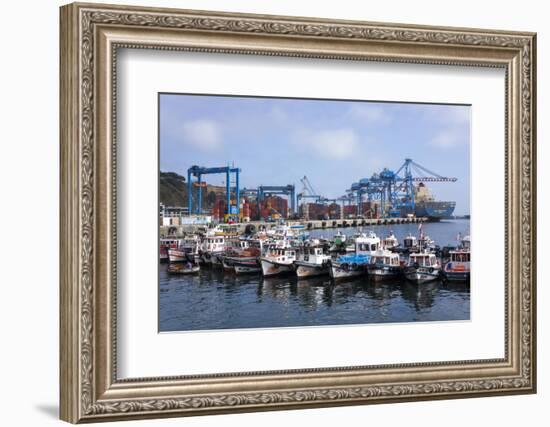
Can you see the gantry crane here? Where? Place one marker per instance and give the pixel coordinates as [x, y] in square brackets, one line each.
[198, 172]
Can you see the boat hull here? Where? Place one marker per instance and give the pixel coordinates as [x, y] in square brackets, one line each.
[247, 267]
[270, 268]
[434, 209]
[422, 275]
[305, 269]
[457, 272]
[462, 276]
[177, 255]
[384, 272]
[343, 271]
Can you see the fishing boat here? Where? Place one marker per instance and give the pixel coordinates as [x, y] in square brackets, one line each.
[422, 267]
[341, 244]
[313, 260]
[213, 245]
[384, 264]
[242, 250]
[390, 242]
[356, 264]
[183, 268]
[279, 258]
[186, 251]
[165, 245]
[458, 266]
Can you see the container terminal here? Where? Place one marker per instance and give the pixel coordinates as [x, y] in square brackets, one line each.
[387, 197]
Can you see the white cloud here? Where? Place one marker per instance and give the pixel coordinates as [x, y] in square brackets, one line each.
[370, 114]
[337, 144]
[203, 134]
[450, 115]
[449, 138]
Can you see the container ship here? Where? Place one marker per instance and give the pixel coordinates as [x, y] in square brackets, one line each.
[427, 206]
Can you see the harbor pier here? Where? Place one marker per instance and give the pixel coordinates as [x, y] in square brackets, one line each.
[180, 230]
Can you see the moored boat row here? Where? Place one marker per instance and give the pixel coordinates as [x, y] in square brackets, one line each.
[286, 250]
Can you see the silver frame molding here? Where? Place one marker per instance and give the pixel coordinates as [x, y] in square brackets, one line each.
[90, 37]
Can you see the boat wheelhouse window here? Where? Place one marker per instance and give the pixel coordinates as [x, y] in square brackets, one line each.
[374, 246]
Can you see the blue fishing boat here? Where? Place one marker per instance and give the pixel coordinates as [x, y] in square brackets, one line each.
[356, 264]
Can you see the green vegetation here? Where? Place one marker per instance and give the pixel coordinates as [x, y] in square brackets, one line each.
[173, 191]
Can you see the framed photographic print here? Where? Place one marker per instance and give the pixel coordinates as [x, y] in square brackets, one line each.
[265, 212]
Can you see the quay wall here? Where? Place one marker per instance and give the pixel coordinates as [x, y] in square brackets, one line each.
[179, 230]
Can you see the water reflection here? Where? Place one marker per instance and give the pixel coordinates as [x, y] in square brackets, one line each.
[215, 299]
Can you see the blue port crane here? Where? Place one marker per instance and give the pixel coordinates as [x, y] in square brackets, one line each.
[198, 172]
[286, 190]
[396, 188]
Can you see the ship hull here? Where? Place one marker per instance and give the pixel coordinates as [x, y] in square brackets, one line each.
[434, 210]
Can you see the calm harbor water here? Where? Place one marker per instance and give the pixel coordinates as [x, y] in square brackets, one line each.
[214, 299]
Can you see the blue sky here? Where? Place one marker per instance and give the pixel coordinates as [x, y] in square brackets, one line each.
[276, 141]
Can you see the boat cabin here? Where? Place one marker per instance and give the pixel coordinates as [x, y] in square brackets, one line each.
[313, 254]
[367, 244]
[465, 243]
[214, 243]
[171, 243]
[410, 242]
[423, 260]
[386, 258]
[282, 254]
[460, 256]
[390, 241]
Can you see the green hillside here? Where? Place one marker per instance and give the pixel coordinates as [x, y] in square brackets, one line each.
[173, 191]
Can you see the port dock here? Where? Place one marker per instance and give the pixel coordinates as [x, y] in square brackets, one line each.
[180, 230]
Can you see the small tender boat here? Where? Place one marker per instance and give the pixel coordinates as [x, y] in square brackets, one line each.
[313, 260]
[384, 264]
[356, 264]
[279, 259]
[183, 269]
[422, 267]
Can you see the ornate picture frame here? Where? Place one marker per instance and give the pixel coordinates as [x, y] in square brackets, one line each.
[90, 37]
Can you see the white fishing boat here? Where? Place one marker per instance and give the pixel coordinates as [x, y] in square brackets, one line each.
[458, 266]
[213, 245]
[384, 264]
[313, 260]
[165, 244]
[356, 264]
[186, 251]
[422, 267]
[279, 258]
